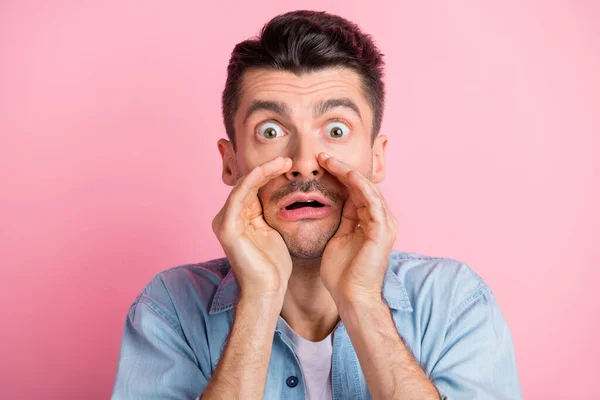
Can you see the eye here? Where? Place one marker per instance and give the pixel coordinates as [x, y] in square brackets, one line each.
[270, 130]
[337, 129]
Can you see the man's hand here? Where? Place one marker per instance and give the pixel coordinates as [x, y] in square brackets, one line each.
[355, 259]
[257, 253]
[262, 265]
[352, 269]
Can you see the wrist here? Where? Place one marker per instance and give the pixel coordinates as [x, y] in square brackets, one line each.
[360, 303]
[271, 288]
[352, 294]
[263, 300]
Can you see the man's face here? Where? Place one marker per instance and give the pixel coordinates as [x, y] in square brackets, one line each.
[281, 114]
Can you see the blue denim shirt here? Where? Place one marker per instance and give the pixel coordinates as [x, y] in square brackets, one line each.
[176, 330]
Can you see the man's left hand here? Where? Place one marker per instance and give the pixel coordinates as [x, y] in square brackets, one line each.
[355, 260]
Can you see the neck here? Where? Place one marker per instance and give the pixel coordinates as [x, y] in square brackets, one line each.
[308, 307]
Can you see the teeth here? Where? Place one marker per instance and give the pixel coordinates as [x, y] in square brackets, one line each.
[309, 201]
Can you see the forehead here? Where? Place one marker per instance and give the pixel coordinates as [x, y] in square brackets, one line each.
[301, 91]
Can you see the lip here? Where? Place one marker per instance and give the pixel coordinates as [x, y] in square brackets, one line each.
[305, 197]
[305, 212]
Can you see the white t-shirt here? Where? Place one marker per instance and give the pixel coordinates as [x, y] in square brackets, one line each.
[315, 362]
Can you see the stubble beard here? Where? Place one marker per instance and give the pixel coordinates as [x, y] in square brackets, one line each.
[310, 247]
[313, 248]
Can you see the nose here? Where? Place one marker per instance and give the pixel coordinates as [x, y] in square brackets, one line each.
[304, 162]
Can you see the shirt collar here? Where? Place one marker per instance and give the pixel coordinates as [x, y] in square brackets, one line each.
[393, 294]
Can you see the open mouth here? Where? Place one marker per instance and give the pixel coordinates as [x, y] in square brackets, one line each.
[309, 203]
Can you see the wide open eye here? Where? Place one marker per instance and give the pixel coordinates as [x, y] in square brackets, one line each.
[337, 130]
[270, 130]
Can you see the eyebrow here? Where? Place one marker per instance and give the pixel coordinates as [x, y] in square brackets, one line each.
[323, 106]
[267, 105]
[320, 108]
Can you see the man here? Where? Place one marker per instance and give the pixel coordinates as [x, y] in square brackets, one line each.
[311, 300]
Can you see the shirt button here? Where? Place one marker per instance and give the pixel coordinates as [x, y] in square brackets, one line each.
[292, 381]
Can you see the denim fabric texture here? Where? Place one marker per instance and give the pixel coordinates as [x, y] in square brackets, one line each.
[176, 330]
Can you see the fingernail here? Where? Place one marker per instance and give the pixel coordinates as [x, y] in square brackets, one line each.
[326, 156]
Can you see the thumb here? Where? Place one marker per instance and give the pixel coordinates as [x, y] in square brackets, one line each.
[349, 218]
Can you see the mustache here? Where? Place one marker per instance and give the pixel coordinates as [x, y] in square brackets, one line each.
[306, 187]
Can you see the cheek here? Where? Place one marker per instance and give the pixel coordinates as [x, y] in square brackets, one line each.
[246, 162]
[357, 153]
[252, 156]
[264, 195]
[358, 160]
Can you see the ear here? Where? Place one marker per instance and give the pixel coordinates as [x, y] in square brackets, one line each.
[379, 145]
[229, 173]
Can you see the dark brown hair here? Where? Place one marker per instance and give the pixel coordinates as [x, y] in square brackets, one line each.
[306, 41]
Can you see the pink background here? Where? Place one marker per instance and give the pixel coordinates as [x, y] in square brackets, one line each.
[109, 117]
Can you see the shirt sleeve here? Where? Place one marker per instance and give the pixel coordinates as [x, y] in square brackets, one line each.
[478, 358]
[155, 360]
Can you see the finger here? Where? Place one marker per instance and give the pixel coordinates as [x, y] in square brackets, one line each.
[259, 176]
[349, 220]
[335, 167]
[246, 189]
[363, 191]
[368, 203]
[370, 211]
[262, 174]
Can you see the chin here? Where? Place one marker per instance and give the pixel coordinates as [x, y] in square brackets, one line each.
[305, 239]
[308, 243]
[304, 250]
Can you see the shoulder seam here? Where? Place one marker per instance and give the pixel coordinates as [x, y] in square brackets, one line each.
[219, 262]
[170, 298]
[174, 309]
[481, 290]
[161, 312]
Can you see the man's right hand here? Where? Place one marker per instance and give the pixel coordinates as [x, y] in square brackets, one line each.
[257, 253]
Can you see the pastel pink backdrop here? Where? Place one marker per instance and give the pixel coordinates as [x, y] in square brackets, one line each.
[109, 117]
